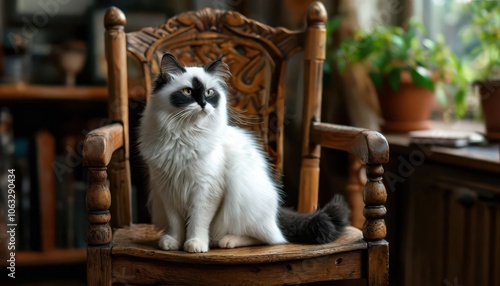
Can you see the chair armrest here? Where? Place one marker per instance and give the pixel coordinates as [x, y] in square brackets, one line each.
[369, 146]
[98, 148]
[100, 144]
[372, 148]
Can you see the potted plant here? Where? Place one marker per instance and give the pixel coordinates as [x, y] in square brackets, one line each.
[407, 70]
[484, 33]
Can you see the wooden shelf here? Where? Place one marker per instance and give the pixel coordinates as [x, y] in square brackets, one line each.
[56, 256]
[51, 92]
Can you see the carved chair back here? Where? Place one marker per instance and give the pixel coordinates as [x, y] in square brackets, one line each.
[256, 54]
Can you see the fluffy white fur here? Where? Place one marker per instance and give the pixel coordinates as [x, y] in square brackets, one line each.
[209, 182]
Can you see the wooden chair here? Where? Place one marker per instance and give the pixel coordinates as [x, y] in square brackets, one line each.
[257, 55]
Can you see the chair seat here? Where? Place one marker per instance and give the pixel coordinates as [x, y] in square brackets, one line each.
[141, 241]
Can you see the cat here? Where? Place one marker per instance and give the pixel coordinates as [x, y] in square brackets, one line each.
[210, 183]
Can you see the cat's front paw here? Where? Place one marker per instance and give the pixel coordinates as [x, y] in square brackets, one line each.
[169, 243]
[195, 245]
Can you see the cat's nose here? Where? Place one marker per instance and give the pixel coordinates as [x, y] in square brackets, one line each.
[203, 103]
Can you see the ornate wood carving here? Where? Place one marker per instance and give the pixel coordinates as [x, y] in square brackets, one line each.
[255, 53]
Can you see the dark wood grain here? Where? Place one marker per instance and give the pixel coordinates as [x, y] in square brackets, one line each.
[99, 266]
[378, 264]
[369, 146]
[101, 143]
[324, 268]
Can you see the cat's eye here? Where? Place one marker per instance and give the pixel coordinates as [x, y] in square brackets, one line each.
[210, 92]
[186, 91]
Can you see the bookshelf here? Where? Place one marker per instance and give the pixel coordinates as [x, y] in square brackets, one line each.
[56, 110]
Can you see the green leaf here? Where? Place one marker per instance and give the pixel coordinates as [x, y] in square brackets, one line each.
[376, 79]
[333, 24]
[381, 63]
[365, 48]
[420, 77]
[395, 79]
[460, 103]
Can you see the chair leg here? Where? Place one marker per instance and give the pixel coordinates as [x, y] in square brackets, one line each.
[378, 263]
[99, 266]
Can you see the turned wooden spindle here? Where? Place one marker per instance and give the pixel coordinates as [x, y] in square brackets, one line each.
[98, 203]
[314, 56]
[374, 196]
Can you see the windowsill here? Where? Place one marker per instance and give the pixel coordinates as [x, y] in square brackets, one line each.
[462, 125]
[484, 157]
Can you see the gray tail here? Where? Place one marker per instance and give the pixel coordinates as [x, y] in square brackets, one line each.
[323, 226]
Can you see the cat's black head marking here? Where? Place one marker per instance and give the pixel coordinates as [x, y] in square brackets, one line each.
[198, 92]
[213, 66]
[169, 65]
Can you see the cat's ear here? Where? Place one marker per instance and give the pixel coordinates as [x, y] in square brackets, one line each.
[169, 65]
[218, 68]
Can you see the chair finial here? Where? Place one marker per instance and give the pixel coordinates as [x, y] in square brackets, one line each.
[114, 17]
[316, 13]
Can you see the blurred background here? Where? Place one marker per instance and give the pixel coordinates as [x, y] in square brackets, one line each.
[52, 93]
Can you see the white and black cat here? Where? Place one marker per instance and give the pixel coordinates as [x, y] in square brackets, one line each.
[210, 184]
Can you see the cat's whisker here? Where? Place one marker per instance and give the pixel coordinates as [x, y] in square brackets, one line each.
[175, 118]
[239, 119]
[186, 115]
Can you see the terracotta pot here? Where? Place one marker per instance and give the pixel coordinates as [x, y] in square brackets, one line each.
[490, 103]
[407, 109]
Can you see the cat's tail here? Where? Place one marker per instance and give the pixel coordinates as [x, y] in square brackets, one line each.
[323, 226]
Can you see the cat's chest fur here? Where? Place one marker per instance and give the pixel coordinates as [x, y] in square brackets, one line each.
[184, 161]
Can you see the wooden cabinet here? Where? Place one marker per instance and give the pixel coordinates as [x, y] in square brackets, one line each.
[443, 214]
